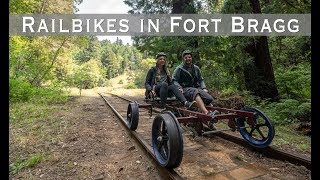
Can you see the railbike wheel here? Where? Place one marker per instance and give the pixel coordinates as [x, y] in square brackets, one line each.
[133, 115]
[259, 134]
[167, 140]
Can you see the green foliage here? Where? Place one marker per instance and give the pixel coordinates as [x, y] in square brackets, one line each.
[285, 112]
[24, 6]
[117, 58]
[51, 94]
[140, 75]
[19, 90]
[130, 86]
[303, 112]
[33, 160]
[43, 7]
[287, 136]
[90, 50]
[290, 51]
[88, 75]
[295, 81]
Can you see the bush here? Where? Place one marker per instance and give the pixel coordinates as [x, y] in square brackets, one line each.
[19, 90]
[130, 86]
[49, 95]
[295, 82]
[303, 112]
[141, 73]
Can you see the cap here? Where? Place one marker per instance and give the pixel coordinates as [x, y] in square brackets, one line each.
[160, 54]
[185, 52]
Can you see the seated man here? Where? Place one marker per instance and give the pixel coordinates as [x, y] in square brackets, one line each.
[159, 83]
[188, 78]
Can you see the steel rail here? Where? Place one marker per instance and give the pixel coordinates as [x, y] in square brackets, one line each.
[270, 151]
[165, 173]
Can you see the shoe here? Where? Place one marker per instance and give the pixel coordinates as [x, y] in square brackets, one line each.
[213, 115]
[190, 105]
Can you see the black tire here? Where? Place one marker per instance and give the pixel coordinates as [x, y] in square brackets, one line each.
[167, 140]
[133, 115]
[260, 135]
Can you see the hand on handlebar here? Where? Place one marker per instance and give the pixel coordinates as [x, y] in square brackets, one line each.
[152, 93]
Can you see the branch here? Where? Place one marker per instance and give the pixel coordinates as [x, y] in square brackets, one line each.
[52, 62]
[293, 6]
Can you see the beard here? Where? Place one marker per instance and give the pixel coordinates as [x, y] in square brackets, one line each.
[188, 62]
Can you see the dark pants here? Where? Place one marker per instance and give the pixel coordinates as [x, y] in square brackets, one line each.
[190, 93]
[163, 90]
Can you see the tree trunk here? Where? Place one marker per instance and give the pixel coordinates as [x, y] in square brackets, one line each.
[259, 77]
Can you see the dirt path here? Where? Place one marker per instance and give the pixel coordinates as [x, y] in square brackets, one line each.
[93, 146]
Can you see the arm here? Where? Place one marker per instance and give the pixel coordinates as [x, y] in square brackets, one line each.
[148, 82]
[176, 77]
[201, 81]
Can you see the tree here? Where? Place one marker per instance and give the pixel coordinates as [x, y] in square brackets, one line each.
[259, 75]
[90, 51]
[258, 71]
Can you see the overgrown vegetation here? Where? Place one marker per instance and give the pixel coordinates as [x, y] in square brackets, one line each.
[41, 67]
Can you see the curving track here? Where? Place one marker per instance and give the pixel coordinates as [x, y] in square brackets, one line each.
[208, 157]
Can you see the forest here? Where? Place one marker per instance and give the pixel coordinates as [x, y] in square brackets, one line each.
[272, 73]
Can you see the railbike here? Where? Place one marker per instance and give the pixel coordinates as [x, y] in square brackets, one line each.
[167, 140]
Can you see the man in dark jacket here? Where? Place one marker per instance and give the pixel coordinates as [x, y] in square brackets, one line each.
[188, 78]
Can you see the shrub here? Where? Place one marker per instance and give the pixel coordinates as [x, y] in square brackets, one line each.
[19, 90]
[130, 86]
[303, 112]
[294, 82]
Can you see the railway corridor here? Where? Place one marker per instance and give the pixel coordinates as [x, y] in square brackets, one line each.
[214, 157]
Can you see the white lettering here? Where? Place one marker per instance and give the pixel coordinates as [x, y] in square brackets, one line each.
[266, 25]
[122, 25]
[155, 27]
[111, 25]
[296, 27]
[76, 25]
[173, 23]
[88, 25]
[215, 21]
[234, 24]
[61, 26]
[185, 25]
[252, 23]
[98, 25]
[25, 24]
[141, 25]
[53, 25]
[204, 26]
[281, 27]
[43, 26]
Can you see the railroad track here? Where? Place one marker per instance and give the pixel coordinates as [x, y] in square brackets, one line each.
[191, 147]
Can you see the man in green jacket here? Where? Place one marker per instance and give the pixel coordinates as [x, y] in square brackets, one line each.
[188, 78]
